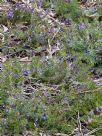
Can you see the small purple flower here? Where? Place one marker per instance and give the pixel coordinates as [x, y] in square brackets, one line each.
[99, 108]
[27, 8]
[45, 93]
[70, 65]
[68, 43]
[30, 38]
[62, 28]
[47, 10]
[68, 35]
[28, 115]
[14, 106]
[26, 72]
[68, 56]
[90, 78]
[51, 29]
[3, 105]
[33, 10]
[39, 3]
[96, 76]
[65, 98]
[10, 13]
[93, 70]
[86, 51]
[44, 116]
[17, 6]
[20, 3]
[81, 25]
[7, 110]
[15, 75]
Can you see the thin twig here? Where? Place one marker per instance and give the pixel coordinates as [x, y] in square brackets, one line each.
[91, 132]
[79, 125]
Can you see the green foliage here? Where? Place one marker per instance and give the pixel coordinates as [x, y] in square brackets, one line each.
[45, 110]
[3, 19]
[62, 8]
[99, 9]
[50, 90]
[69, 9]
[52, 71]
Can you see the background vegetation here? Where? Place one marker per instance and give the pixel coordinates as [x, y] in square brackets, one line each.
[50, 68]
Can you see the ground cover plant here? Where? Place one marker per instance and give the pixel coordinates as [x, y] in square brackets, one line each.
[50, 68]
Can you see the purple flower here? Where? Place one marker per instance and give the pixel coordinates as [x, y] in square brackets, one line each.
[30, 38]
[86, 51]
[70, 65]
[81, 25]
[14, 106]
[99, 108]
[26, 72]
[39, 3]
[68, 35]
[33, 10]
[66, 98]
[45, 93]
[7, 110]
[44, 116]
[15, 75]
[3, 105]
[17, 6]
[62, 28]
[68, 56]
[28, 115]
[93, 69]
[10, 13]
[51, 29]
[47, 10]
[90, 78]
[68, 43]
[27, 8]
